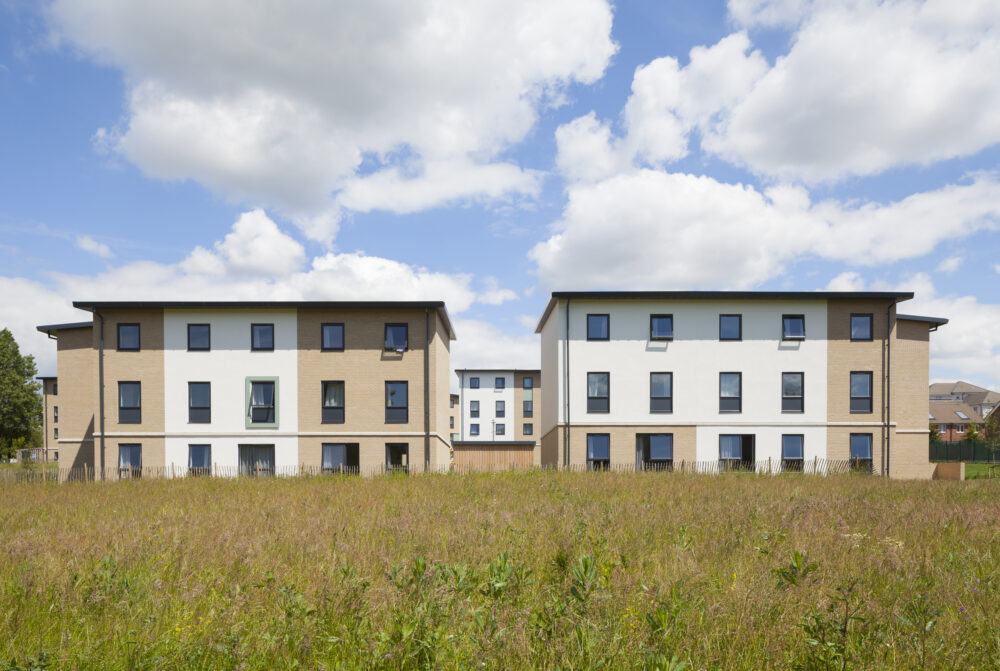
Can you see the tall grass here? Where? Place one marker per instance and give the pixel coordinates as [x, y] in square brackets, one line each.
[544, 569]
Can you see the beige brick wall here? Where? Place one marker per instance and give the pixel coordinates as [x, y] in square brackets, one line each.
[623, 439]
[844, 356]
[551, 447]
[153, 455]
[145, 366]
[910, 375]
[838, 443]
[519, 419]
[440, 383]
[909, 456]
[77, 385]
[371, 450]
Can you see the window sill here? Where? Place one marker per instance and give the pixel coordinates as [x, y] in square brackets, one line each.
[793, 412]
[666, 339]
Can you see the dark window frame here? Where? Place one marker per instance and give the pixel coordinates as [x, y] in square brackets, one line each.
[739, 337]
[785, 336]
[607, 316]
[794, 464]
[739, 410]
[352, 459]
[253, 346]
[474, 408]
[138, 337]
[133, 472]
[500, 409]
[745, 462]
[199, 349]
[55, 414]
[871, 326]
[402, 468]
[592, 401]
[871, 392]
[322, 339]
[598, 464]
[126, 419]
[661, 338]
[199, 417]
[801, 399]
[653, 399]
[385, 336]
[392, 417]
[332, 414]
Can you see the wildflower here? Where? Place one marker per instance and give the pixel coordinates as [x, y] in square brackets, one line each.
[961, 609]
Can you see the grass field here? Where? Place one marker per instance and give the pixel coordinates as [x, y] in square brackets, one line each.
[507, 571]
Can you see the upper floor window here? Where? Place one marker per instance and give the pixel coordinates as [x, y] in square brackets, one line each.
[397, 337]
[473, 383]
[861, 391]
[262, 402]
[129, 403]
[528, 382]
[528, 408]
[199, 402]
[861, 327]
[473, 429]
[661, 327]
[500, 383]
[500, 429]
[333, 402]
[501, 409]
[451, 402]
[55, 436]
[451, 422]
[397, 402]
[55, 414]
[262, 337]
[598, 327]
[661, 392]
[527, 429]
[730, 327]
[793, 327]
[199, 337]
[55, 388]
[598, 392]
[333, 337]
[473, 408]
[128, 337]
[730, 392]
[792, 392]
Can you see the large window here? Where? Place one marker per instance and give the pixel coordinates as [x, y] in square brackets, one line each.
[730, 392]
[861, 392]
[792, 392]
[262, 337]
[473, 408]
[397, 402]
[199, 459]
[598, 392]
[500, 383]
[333, 402]
[655, 451]
[661, 327]
[792, 452]
[529, 407]
[199, 402]
[473, 383]
[256, 461]
[333, 337]
[130, 460]
[397, 337]
[598, 327]
[861, 327]
[341, 458]
[661, 392]
[129, 403]
[598, 451]
[397, 458]
[262, 402]
[737, 451]
[501, 409]
[730, 327]
[128, 337]
[199, 337]
[861, 452]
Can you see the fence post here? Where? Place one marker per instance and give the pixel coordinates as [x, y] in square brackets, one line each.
[815, 462]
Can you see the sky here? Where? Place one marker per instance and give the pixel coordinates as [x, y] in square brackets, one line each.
[489, 153]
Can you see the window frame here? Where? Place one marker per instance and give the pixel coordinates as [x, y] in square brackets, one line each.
[134, 472]
[474, 382]
[138, 337]
[500, 429]
[322, 338]
[500, 408]
[199, 349]
[607, 399]
[739, 409]
[473, 428]
[858, 464]
[528, 408]
[644, 453]
[499, 383]
[55, 414]
[598, 464]
[402, 468]
[871, 392]
[871, 326]
[332, 417]
[250, 423]
[528, 428]
[784, 336]
[801, 399]
[385, 336]
[389, 419]
[656, 338]
[474, 408]
[739, 336]
[198, 471]
[653, 399]
[191, 408]
[528, 382]
[122, 419]
[793, 464]
[253, 346]
[607, 317]
[352, 453]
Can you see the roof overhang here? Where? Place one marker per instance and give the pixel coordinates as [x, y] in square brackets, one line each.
[52, 328]
[511, 443]
[936, 321]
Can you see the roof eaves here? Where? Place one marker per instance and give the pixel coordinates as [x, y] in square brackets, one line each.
[48, 328]
[939, 321]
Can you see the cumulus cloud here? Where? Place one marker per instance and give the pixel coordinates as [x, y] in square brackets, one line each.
[88, 244]
[482, 344]
[767, 13]
[285, 108]
[950, 264]
[494, 294]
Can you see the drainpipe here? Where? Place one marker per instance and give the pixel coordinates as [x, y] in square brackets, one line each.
[566, 389]
[427, 389]
[100, 376]
[888, 386]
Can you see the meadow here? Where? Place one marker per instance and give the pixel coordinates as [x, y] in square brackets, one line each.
[504, 571]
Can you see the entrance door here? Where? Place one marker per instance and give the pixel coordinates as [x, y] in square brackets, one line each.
[737, 452]
[257, 460]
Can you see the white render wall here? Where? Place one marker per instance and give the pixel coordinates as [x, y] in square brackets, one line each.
[487, 396]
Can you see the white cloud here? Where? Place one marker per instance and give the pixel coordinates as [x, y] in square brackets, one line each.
[493, 294]
[846, 281]
[950, 264]
[257, 246]
[767, 13]
[481, 344]
[284, 108]
[88, 244]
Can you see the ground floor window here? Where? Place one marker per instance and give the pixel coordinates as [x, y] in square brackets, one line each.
[341, 458]
[199, 459]
[598, 451]
[861, 452]
[654, 451]
[257, 460]
[397, 458]
[130, 461]
[792, 452]
[737, 452]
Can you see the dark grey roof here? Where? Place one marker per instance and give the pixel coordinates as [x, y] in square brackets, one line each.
[498, 370]
[46, 377]
[940, 321]
[896, 296]
[515, 443]
[47, 328]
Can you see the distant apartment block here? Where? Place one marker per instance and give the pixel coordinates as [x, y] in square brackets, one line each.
[50, 418]
[780, 380]
[253, 388]
[499, 405]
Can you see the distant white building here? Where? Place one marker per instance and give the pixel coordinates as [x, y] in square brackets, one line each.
[499, 405]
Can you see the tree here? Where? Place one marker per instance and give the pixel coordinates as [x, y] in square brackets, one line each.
[20, 403]
[973, 433]
[935, 433]
[993, 426]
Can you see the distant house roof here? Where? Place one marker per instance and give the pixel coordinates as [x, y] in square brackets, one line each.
[947, 412]
[981, 397]
[954, 388]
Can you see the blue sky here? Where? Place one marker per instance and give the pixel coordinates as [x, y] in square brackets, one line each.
[489, 153]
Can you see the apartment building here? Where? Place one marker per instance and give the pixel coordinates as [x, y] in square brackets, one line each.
[50, 417]
[454, 404]
[791, 380]
[254, 387]
[499, 405]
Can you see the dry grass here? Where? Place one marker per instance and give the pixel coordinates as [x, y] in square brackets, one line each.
[502, 571]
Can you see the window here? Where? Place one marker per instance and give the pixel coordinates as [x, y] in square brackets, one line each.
[655, 451]
[55, 414]
[500, 383]
[129, 461]
[129, 403]
[199, 459]
[397, 402]
[332, 337]
[961, 415]
[661, 327]
[397, 458]
[199, 337]
[792, 392]
[736, 452]
[598, 327]
[730, 392]
[861, 452]
[529, 408]
[598, 392]
[943, 428]
[473, 429]
[262, 402]
[528, 382]
[792, 452]
[473, 408]
[730, 327]
[397, 337]
[451, 422]
[793, 327]
[256, 460]
[598, 451]
[451, 402]
[473, 383]
[55, 388]
[499, 429]
[55, 434]
[341, 458]
[528, 429]
[661, 392]
[960, 428]
[501, 409]
[333, 402]
[861, 392]
[262, 337]
[128, 337]
[199, 402]
[861, 327]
